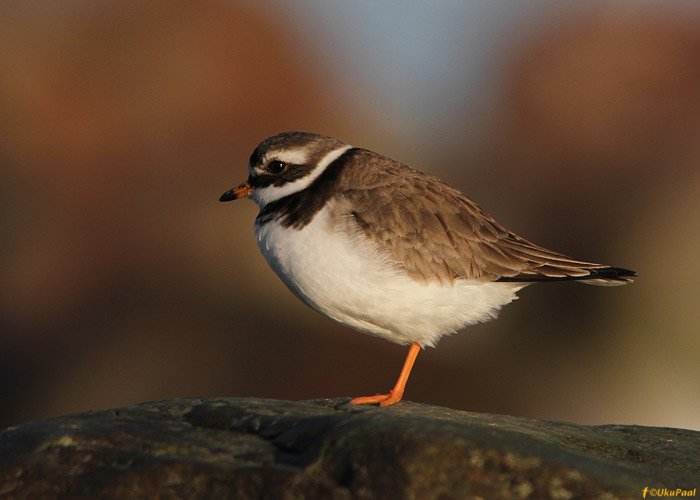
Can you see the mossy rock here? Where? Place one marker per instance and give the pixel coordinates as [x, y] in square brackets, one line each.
[246, 448]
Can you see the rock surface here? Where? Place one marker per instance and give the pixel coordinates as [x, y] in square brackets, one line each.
[245, 448]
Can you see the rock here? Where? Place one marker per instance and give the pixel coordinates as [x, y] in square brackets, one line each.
[245, 448]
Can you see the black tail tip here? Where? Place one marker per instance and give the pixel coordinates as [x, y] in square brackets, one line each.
[611, 276]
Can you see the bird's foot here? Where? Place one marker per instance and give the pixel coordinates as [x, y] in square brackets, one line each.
[383, 399]
[396, 393]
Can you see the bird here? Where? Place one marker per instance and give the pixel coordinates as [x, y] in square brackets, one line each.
[388, 250]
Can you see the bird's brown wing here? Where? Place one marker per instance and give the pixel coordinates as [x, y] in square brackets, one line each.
[434, 232]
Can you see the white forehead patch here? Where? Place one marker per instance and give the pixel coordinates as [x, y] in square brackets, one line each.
[265, 195]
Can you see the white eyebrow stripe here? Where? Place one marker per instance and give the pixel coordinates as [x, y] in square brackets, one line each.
[297, 156]
[268, 194]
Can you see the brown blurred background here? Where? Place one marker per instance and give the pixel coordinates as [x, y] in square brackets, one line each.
[122, 279]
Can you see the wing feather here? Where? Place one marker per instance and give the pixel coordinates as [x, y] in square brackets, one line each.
[434, 232]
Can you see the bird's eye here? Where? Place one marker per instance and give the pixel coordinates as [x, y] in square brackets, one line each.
[276, 166]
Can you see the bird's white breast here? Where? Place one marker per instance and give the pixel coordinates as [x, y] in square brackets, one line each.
[344, 276]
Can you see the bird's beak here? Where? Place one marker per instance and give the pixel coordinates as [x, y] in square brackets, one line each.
[242, 191]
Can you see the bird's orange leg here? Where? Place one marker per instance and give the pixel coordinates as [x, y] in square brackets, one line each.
[396, 393]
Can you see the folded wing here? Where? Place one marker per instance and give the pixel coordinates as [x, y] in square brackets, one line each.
[434, 232]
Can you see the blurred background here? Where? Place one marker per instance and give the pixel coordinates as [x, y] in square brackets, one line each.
[123, 279]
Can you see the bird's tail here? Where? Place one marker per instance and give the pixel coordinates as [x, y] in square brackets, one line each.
[609, 276]
[600, 276]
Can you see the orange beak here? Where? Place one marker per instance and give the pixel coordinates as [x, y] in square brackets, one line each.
[242, 191]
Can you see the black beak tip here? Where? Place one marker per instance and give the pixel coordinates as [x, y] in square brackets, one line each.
[227, 196]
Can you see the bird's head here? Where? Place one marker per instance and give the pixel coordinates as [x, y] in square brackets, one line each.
[285, 164]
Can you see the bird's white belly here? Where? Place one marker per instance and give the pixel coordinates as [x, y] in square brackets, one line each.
[346, 278]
